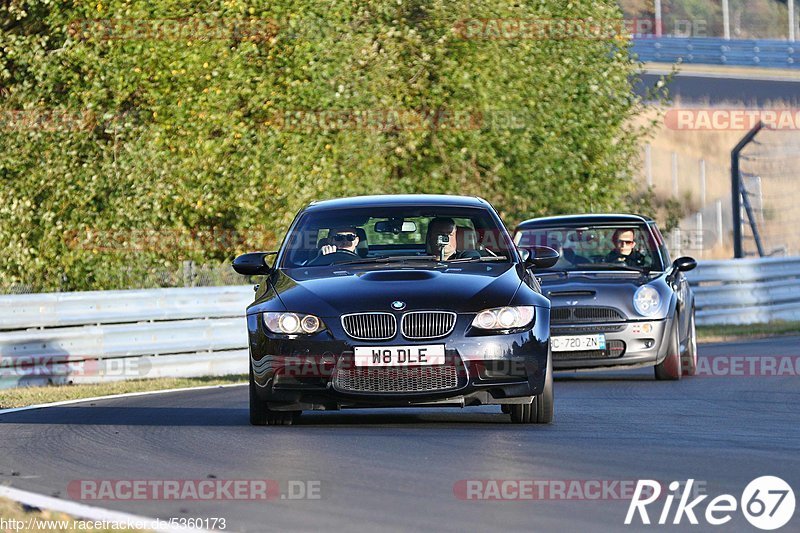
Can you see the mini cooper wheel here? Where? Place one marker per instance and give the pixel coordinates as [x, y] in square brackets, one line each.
[670, 368]
[689, 357]
[540, 411]
[261, 415]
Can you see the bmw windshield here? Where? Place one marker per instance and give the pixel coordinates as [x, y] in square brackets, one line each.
[411, 234]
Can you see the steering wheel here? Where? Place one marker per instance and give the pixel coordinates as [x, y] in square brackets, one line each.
[329, 259]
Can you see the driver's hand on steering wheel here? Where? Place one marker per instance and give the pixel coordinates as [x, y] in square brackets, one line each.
[327, 249]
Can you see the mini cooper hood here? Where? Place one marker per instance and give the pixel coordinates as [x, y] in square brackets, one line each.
[466, 288]
[602, 290]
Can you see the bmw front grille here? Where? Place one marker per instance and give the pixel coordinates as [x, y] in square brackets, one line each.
[370, 326]
[418, 325]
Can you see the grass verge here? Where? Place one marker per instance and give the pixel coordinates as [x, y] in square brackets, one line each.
[750, 331]
[23, 396]
[29, 519]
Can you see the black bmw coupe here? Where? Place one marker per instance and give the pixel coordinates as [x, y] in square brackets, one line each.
[390, 301]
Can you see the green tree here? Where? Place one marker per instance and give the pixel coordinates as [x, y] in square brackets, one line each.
[155, 123]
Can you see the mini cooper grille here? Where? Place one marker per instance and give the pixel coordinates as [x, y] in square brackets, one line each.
[397, 379]
[570, 315]
[370, 326]
[586, 330]
[427, 324]
[613, 349]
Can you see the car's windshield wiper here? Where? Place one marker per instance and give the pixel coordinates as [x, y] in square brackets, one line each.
[486, 258]
[611, 266]
[547, 272]
[387, 259]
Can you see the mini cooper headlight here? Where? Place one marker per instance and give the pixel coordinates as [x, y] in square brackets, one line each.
[504, 317]
[646, 300]
[292, 323]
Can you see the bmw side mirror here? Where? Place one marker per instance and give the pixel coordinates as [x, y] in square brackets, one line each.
[253, 264]
[684, 264]
[541, 257]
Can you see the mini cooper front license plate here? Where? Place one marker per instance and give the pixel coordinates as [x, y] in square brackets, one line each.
[432, 354]
[578, 343]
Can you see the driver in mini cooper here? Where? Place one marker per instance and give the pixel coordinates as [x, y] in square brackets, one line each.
[625, 249]
[341, 240]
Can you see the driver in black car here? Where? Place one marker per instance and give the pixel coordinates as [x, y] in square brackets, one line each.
[341, 240]
[446, 227]
[625, 251]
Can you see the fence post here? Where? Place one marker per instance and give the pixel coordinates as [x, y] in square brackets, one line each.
[702, 183]
[698, 241]
[726, 20]
[658, 17]
[675, 174]
[736, 190]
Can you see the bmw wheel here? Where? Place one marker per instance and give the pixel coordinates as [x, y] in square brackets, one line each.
[540, 411]
[261, 415]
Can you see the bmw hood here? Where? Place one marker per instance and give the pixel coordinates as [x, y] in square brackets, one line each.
[462, 289]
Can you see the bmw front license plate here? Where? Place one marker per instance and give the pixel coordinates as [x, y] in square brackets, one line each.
[432, 354]
[578, 343]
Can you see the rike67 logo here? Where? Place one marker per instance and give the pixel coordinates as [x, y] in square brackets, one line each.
[767, 503]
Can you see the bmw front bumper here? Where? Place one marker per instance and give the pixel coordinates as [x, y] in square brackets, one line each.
[319, 371]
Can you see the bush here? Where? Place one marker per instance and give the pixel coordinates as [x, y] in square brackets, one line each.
[129, 139]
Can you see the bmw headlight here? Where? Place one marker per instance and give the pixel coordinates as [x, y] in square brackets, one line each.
[646, 300]
[292, 323]
[504, 317]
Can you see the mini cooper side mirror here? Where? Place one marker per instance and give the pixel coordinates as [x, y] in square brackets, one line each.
[684, 264]
[540, 257]
[253, 264]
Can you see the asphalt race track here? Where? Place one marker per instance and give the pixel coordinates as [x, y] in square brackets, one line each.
[387, 470]
[695, 89]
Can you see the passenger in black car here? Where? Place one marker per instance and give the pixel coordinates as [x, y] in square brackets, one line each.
[625, 251]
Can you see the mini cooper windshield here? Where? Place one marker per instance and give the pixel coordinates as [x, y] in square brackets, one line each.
[600, 247]
[395, 234]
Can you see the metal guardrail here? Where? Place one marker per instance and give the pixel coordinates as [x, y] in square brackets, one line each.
[186, 332]
[713, 51]
[746, 291]
[112, 335]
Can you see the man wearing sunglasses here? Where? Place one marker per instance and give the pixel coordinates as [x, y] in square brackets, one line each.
[341, 240]
[625, 251]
